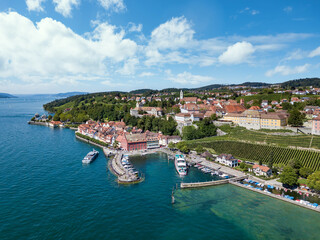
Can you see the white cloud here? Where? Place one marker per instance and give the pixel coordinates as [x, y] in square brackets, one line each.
[286, 70]
[250, 11]
[315, 52]
[129, 67]
[288, 9]
[51, 50]
[146, 74]
[112, 84]
[135, 28]
[295, 55]
[188, 78]
[237, 53]
[64, 7]
[34, 5]
[115, 5]
[173, 34]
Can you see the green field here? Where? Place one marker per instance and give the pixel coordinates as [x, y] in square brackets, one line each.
[256, 152]
[242, 134]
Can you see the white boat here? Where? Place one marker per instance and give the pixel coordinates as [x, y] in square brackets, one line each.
[180, 164]
[90, 157]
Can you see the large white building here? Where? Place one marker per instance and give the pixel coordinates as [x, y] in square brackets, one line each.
[228, 160]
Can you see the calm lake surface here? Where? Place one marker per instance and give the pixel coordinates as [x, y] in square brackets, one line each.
[46, 193]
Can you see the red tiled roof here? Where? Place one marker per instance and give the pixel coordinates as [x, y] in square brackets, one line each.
[189, 99]
[263, 168]
[234, 108]
[254, 108]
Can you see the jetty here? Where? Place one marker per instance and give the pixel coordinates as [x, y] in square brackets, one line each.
[210, 183]
[117, 168]
[46, 124]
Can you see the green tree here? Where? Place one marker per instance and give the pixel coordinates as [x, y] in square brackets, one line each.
[296, 118]
[314, 181]
[50, 117]
[56, 117]
[295, 164]
[171, 145]
[189, 133]
[199, 149]
[182, 146]
[305, 172]
[185, 149]
[289, 176]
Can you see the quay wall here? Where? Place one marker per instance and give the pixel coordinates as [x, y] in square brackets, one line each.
[275, 196]
[88, 141]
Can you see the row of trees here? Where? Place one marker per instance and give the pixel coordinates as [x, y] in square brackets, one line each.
[292, 171]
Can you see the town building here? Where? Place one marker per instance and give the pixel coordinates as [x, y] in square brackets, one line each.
[260, 170]
[228, 160]
[54, 124]
[253, 119]
[131, 142]
[165, 140]
[189, 99]
[152, 140]
[316, 126]
[139, 111]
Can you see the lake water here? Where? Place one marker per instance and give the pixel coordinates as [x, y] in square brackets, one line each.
[46, 193]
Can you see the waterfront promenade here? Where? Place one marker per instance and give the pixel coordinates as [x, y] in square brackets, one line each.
[193, 158]
[275, 196]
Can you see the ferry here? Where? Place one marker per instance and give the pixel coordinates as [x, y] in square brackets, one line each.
[90, 157]
[180, 164]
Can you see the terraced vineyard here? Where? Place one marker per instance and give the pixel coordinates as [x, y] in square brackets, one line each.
[255, 152]
[242, 134]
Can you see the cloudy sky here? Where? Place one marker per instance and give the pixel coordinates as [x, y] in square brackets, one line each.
[51, 46]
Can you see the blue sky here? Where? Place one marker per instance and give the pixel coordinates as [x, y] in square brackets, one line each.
[50, 46]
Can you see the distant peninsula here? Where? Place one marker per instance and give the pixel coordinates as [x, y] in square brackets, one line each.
[6, 95]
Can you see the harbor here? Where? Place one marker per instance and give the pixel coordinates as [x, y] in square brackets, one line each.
[73, 194]
[118, 166]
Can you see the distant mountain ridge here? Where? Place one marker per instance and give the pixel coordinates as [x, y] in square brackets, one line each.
[315, 82]
[6, 95]
[69, 94]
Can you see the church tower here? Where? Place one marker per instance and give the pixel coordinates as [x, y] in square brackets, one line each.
[181, 94]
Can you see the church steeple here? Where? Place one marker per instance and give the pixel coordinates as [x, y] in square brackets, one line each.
[181, 94]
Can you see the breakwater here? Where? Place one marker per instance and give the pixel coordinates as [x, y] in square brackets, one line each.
[117, 168]
[38, 123]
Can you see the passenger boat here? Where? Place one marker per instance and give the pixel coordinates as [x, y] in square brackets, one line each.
[180, 164]
[90, 157]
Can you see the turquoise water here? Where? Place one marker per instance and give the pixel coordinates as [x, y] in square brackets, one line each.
[46, 193]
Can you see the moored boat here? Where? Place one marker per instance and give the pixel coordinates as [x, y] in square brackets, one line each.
[90, 157]
[180, 164]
